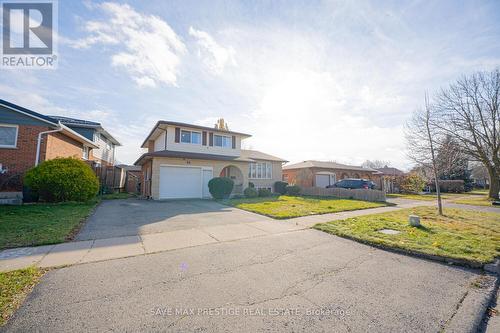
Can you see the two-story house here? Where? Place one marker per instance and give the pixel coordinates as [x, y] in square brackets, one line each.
[104, 154]
[182, 158]
[28, 138]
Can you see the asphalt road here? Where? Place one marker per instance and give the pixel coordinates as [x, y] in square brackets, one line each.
[298, 281]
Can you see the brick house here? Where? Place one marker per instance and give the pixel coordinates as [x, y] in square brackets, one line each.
[322, 174]
[390, 178]
[28, 138]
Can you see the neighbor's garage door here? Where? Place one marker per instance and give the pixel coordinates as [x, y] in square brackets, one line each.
[180, 182]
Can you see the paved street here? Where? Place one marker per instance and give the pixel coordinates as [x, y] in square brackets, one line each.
[297, 281]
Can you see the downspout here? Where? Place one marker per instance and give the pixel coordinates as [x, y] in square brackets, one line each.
[37, 159]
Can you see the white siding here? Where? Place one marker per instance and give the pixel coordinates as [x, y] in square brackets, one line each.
[103, 153]
[199, 148]
[160, 142]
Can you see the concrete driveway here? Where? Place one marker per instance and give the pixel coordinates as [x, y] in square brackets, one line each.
[304, 280]
[118, 218]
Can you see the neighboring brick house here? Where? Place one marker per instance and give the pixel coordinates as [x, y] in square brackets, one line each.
[182, 158]
[28, 138]
[390, 178]
[323, 174]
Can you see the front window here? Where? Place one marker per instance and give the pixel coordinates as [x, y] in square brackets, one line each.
[85, 153]
[190, 137]
[8, 136]
[260, 170]
[222, 141]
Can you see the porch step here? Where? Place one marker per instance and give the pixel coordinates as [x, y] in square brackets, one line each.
[11, 198]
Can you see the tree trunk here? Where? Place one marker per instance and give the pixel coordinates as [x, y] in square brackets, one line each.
[494, 184]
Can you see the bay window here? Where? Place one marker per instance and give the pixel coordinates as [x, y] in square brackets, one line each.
[260, 170]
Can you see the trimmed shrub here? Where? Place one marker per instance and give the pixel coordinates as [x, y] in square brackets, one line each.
[264, 192]
[293, 190]
[412, 183]
[250, 192]
[452, 186]
[280, 187]
[220, 187]
[449, 186]
[250, 184]
[62, 179]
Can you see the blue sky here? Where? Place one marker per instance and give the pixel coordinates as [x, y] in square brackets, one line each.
[328, 80]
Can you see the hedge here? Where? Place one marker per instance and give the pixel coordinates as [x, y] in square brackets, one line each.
[293, 190]
[62, 179]
[250, 192]
[280, 187]
[220, 187]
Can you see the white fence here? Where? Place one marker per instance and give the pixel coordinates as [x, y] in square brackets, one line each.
[358, 194]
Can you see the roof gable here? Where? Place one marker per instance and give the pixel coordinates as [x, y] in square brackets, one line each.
[28, 112]
[326, 165]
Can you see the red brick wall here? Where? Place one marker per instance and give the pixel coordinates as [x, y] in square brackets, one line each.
[22, 158]
[18, 160]
[59, 145]
[305, 177]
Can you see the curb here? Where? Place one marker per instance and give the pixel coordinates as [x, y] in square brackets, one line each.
[471, 310]
[493, 267]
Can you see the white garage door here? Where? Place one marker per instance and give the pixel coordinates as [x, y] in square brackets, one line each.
[323, 180]
[177, 182]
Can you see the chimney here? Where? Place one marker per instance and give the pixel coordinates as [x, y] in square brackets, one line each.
[221, 125]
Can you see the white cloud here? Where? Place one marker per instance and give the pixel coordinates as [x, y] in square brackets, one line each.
[212, 54]
[305, 114]
[145, 46]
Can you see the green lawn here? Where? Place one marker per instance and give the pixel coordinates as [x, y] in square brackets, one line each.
[284, 207]
[118, 195]
[476, 201]
[14, 286]
[38, 224]
[479, 192]
[425, 197]
[460, 234]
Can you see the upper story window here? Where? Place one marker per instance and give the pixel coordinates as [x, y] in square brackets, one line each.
[190, 137]
[260, 170]
[8, 136]
[97, 136]
[222, 141]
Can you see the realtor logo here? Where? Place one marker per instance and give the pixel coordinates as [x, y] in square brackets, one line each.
[28, 31]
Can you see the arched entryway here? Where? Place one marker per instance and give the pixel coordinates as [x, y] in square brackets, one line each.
[236, 175]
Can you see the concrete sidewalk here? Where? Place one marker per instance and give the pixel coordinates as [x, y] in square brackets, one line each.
[128, 246]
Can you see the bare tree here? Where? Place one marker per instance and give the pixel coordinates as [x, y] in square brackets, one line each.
[422, 139]
[468, 111]
[375, 164]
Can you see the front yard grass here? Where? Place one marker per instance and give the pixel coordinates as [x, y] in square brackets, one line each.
[475, 201]
[471, 236]
[424, 197]
[14, 286]
[40, 224]
[284, 207]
